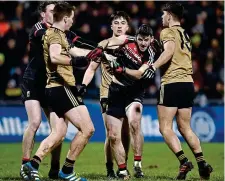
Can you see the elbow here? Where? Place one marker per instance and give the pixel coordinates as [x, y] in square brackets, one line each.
[138, 76]
[53, 59]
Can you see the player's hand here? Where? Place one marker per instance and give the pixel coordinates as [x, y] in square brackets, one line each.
[156, 46]
[117, 68]
[97, 52]
[82, 89]
[149, 73]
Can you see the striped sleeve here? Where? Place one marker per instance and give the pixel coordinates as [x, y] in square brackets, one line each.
[150, 55]
[39, 30]
[129, 39]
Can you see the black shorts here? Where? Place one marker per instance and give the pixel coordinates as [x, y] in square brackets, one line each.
[180, 94]
[33, 90]
[63, 98]
[103, 104]
[120, 97]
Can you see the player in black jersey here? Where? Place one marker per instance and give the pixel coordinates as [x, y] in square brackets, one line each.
[126, 93]
[33, 89]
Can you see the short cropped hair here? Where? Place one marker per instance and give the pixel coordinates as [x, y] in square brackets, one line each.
[42, 5]
[144, 30]
[119, 14]
[174, 8]
[62, 9]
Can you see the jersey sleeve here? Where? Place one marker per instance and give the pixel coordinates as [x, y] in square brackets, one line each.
[54, 38]
[149, 56]
[167, 35]
[39, 33]
[129, 39]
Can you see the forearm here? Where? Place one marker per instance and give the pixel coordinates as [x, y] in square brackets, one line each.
[60, 59]
[88, 76]
[76, 52]
[163, 59]
[134, 73]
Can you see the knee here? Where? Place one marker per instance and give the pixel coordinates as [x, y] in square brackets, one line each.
[184, 129]
[165, 130]
[89, 132]
[34, 124]
[113, 137]
[135, 126]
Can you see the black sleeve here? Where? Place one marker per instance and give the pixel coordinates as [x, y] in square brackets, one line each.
[77, 41]
[39, 33]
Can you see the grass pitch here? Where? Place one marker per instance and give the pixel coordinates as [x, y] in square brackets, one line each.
[159, 163]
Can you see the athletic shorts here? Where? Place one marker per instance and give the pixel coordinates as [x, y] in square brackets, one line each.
[104, 104]
[34, 90]
[61, 99]
[120, 97]
[180, 94]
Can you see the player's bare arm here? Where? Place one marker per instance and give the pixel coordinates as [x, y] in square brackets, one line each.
[56, 56]
[166, 55]
[137, 74]
[90, 72]
[76, 52]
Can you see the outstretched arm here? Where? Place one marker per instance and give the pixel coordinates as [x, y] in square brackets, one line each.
[90, 72]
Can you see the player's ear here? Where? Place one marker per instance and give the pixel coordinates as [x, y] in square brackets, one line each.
[65, 19]
[42, 14]
[111, 27]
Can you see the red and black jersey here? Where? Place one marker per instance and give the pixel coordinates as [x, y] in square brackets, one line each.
[36, 66]
[131, 57]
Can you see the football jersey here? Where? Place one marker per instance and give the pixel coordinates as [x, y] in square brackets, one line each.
[36, 67]
[132, 58]
[179, 68]
[57, 75]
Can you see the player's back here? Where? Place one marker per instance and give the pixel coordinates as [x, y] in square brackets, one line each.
[58, 75]
[179, 68]
[36, 66]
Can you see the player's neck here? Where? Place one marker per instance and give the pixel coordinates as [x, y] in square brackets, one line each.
[46, 23]
[174, 23]
[59, 26]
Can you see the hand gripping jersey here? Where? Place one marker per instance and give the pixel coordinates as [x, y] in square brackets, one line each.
[132, 58]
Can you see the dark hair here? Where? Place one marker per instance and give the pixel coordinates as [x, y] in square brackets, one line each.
[62, 9]
[175, 8]
[119, 14]
[144, 30]
[43, 4]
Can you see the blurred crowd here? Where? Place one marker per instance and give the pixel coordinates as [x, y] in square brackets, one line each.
[203, 21]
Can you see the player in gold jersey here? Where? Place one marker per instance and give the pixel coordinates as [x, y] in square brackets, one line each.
[119, 25]
[177, 90]
[62, 97]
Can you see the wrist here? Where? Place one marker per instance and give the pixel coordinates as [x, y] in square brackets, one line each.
[154, 68]
[84, 85]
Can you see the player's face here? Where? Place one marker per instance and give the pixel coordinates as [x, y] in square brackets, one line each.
[48, 14]
[119, 26]
[165, 18]
[143, 42]
[69, 21]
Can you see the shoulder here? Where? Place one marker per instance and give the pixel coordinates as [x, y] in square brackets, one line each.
[167, 34]
[166, 31]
